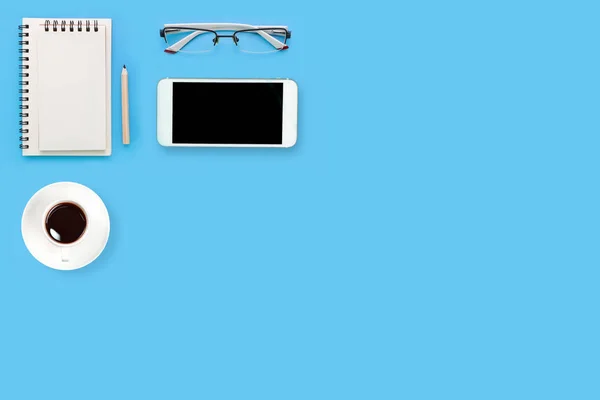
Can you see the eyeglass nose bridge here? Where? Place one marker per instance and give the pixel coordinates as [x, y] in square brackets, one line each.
[233, 37]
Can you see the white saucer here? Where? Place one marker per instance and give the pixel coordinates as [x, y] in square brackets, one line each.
[83, 252]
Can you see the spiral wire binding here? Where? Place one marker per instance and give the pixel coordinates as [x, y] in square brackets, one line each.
[24, 67]
[56, 25]
[24, 83]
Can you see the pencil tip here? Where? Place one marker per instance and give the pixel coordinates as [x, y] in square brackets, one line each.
[124, 66]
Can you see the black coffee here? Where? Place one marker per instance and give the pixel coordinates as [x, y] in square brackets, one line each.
[65, 223]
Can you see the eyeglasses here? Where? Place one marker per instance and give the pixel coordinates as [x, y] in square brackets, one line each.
[202, 38]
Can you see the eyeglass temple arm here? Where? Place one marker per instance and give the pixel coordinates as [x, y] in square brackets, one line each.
[222, 25]
[275, 31]
[180, 44]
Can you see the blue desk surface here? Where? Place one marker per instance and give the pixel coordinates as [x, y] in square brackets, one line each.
[433, 235]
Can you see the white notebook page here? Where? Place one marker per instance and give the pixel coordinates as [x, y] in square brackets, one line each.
[72, 90]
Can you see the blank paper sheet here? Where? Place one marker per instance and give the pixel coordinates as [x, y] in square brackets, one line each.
[72, 91]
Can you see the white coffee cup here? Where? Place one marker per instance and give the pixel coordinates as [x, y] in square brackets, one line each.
[65, 225]
[82, 247]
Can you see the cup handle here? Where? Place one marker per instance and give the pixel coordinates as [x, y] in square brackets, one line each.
[64, 252]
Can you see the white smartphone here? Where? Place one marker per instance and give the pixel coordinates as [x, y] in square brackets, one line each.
[227, 112]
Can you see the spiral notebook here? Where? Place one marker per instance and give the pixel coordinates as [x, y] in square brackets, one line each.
[65, 87]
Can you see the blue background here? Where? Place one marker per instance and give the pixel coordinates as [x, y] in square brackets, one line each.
[433, 235]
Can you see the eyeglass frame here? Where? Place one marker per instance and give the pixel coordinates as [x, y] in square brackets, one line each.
[197, 29]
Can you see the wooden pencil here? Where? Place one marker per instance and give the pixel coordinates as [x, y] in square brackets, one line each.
[125, 104]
